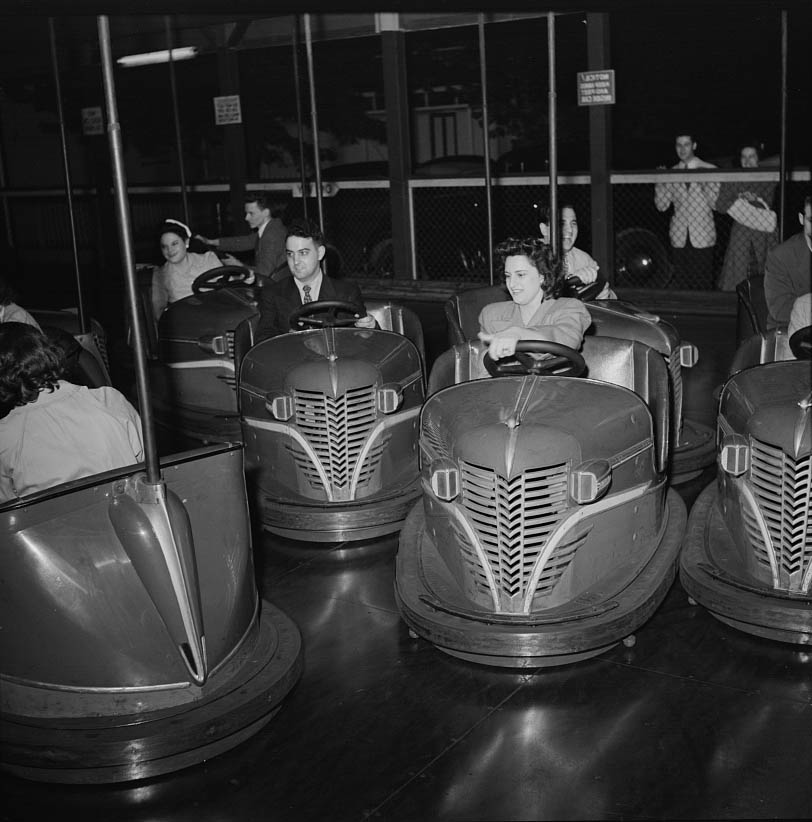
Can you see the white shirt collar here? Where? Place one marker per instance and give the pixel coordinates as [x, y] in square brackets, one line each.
[262, 228]
[315, 286]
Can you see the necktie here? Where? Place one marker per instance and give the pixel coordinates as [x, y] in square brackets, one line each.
[307, 297]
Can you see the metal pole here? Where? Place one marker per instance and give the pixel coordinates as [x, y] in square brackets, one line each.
[6, 211]
[483, 76]
[178, 138]
[297, 84]
[153, 469]
[782, 175]
[83, 325]
[314, 119]
[555, 228]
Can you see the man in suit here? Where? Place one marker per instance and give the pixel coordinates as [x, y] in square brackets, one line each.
[304, 247]
[267, 239]
[787, 271]
[692, 230]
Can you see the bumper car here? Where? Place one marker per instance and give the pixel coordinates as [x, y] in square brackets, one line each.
[86, 351]
[193, 371]
[693, 446]
[153, 648]
[747, 556]
[547, 532]
[329, 421]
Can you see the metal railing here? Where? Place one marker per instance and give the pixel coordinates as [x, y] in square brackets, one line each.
[449, 223]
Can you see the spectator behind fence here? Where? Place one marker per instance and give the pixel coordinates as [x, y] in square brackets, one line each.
[51, 430]
[578, 265]
[173, 280]
[753, 233]
[308, 283]
[10, 312]
[535, 311]
[692, 230]
[787, 270]
[267, 238]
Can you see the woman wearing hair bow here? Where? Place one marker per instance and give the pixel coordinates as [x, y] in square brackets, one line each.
[173, 280]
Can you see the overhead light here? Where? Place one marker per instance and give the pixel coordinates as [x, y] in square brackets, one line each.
[150, 57]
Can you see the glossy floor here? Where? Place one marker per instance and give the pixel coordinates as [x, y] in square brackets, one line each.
[695, 721]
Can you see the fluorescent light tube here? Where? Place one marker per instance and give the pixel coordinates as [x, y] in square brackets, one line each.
[150, 57]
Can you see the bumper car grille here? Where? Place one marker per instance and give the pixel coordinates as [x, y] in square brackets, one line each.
[783, 488]
[337, 430]
[675, 369]
[513, 520]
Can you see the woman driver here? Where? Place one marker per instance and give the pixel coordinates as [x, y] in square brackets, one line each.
[52, 431]
[534, 279]
[173, 280]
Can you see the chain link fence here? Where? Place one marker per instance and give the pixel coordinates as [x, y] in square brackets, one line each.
[734, 228]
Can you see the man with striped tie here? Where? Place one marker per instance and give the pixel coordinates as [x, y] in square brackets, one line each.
[304, 247]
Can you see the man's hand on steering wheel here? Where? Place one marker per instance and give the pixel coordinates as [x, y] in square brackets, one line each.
[563, 362]
[329, 311]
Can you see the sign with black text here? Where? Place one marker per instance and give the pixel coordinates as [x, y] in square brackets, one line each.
[596, 88]
[92, 120]
[227, 110]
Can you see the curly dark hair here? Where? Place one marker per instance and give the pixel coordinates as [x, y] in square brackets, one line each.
[29, 362]
[542, 257]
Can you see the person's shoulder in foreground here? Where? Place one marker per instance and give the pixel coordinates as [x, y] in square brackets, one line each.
[54, 431]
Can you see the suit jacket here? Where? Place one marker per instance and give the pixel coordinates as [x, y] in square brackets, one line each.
[786, 277]
[278, 300]
[269, 249]
[693, 204]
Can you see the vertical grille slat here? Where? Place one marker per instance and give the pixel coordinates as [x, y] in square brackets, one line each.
[675, 370]
[230, 379]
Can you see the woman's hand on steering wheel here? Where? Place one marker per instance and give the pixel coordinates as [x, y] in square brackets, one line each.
[501, 345]
[227, 276]
[563, 362]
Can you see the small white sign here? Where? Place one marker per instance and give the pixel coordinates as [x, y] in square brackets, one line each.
[596, 88]
[92, 120]
[227, 110]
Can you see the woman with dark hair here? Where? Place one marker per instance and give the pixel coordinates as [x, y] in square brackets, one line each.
[173, 280]
[753, 230]
[10, 312]
[534, 278]
[51, 430]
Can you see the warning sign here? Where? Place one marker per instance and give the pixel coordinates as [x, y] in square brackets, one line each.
[596, 88]
[227, 110]
[92, 120]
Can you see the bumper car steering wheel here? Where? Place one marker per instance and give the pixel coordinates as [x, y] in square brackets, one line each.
[564, 362]
[584, 291]
[227, 276]
[303, 317]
